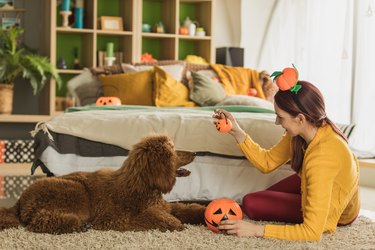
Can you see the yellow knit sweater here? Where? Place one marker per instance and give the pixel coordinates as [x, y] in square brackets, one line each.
[329, 183]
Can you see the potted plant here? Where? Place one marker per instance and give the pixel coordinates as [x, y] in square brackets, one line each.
[15, 61]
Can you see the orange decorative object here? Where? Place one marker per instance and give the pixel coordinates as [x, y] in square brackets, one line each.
[183, 30]
[286, 79]
[146, 57]
[219, 210]
[223, 125]
[108, 101]
[252, 92]
[2, 151]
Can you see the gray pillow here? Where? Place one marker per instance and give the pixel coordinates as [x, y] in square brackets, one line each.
[205, 91]
[88, 93]
[82, 83]
[246, 100]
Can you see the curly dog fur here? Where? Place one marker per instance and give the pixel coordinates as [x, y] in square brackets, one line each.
[128, 199]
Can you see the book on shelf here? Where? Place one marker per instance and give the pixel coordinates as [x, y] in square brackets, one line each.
[8, 22]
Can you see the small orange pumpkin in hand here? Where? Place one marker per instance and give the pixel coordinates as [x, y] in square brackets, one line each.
[223, 125]
[286, 79]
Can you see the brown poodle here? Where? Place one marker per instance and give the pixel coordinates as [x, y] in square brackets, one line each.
[129, 198]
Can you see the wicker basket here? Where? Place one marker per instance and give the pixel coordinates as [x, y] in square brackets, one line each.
[6, 98]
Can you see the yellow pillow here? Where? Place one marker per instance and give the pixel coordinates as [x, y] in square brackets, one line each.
[131, 88]
[169, 92]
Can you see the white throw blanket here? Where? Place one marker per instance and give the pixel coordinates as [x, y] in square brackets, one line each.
[191, 130]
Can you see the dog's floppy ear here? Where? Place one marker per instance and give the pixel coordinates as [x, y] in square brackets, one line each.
[152, 163]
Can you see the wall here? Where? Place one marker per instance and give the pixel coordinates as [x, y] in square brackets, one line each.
[230, 31]
[227, 23]
[256, 13]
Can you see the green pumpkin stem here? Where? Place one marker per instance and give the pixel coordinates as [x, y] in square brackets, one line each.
[295, 88]
[276, 74]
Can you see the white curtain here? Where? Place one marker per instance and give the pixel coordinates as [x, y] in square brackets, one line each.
[364, 80]
[331, 42]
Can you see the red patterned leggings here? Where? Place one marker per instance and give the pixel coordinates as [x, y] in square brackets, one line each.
[280, 202]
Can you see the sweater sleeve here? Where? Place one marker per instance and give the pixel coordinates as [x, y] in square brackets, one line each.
[267, 160]
[321, 169]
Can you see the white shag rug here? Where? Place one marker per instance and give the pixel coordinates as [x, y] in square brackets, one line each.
[359, 235]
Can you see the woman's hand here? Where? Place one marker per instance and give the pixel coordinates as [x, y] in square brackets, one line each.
[236, 131]
[241, 228]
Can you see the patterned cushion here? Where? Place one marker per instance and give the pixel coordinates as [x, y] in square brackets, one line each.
[346, 129]
[13, 186]
[107, 70]
[160, 63]
[16, 151]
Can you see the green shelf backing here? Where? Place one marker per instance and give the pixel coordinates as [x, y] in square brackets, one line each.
[151, 12]
[151, 46]
[103, 40]
[187, 10]
[66, 45]
[62, 92]
[186, 48]
[109, 8]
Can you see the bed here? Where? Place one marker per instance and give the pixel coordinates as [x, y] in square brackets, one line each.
[89, 138]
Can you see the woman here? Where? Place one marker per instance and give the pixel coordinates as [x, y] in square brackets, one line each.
[324, 191]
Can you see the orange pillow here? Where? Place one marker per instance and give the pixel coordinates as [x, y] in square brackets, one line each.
[131, 88]
[168, 92]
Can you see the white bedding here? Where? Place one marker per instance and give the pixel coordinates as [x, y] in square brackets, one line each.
[211, 177]
[191, 130]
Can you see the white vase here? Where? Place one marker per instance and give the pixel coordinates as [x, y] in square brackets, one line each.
[187, 22]
[192, 28]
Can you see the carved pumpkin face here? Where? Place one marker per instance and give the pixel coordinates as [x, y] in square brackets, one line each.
[223, 125]
[221, 209]
[108, 101]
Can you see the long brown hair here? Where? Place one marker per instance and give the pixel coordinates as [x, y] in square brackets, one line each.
[308, 101]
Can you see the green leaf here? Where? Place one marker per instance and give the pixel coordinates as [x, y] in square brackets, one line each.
[16, 60]
[295, 88]
[276, 74]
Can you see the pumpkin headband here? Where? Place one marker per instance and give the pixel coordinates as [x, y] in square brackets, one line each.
[288, 80]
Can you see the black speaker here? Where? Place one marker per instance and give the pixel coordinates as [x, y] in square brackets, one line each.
[231, 56]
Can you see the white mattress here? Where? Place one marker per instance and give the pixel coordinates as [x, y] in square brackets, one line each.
[211, 177]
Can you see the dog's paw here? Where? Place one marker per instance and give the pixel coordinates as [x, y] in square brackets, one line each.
[182, 172]
[86, 226]
[179, 228]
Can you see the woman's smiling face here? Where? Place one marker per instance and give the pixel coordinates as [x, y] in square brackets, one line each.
[288, 122]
